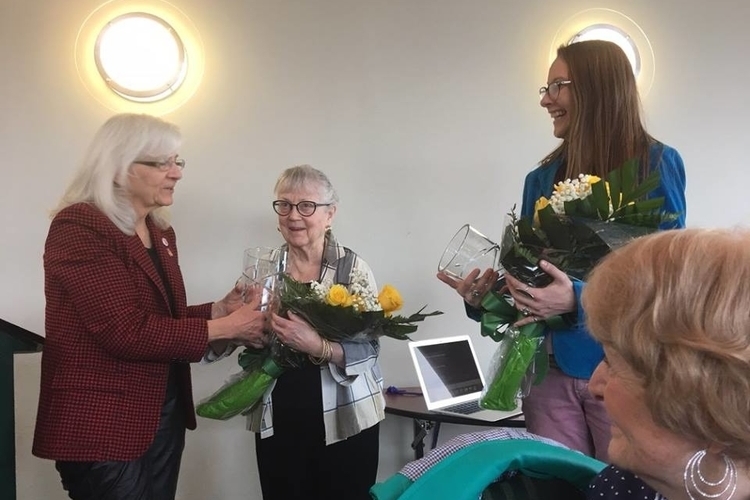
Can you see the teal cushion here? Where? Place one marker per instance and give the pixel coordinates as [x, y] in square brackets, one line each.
[465, 474]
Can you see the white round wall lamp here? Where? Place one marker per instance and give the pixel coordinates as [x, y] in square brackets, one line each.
[141, 57]
[613, 26]
[615, 35]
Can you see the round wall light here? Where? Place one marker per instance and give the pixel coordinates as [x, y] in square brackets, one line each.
[613, 26]
[613, 34]
[140, 57]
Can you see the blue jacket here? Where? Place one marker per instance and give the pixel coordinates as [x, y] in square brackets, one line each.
[576, 352]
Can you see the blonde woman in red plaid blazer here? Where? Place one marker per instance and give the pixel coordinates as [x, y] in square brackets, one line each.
[116, 394]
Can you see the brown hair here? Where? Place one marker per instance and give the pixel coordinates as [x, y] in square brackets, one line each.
[676, 306]
[606, 128]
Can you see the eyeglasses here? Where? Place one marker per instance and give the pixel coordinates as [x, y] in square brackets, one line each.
[304, 208]
[163, 165]
[553, 89]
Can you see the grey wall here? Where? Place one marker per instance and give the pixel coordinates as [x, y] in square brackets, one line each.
[423, 112]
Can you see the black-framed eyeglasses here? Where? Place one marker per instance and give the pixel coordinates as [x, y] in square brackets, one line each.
[163, 165]
[304, 208]
[553, 89]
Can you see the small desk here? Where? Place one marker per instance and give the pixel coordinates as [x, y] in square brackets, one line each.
[414, 407]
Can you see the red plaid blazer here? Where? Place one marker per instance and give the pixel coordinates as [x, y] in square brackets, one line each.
[111, 334]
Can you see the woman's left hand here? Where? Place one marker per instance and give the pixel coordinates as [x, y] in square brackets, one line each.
[296, 333]
[540, 303]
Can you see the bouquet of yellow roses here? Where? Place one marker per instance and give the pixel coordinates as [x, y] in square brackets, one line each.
[583, 220]
[338, 313]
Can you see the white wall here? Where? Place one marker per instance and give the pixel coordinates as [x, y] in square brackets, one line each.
[424, 114]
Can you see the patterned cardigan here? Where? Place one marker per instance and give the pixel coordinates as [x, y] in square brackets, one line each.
[352, 395]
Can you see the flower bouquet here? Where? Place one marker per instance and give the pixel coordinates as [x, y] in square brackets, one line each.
[336, 312]
[583, 220]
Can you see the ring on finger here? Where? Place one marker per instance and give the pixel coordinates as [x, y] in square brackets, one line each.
[525, 311]
[475, 293]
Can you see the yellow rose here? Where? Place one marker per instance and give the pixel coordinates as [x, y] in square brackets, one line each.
[390, 300]
[539, 205]
[338, 295]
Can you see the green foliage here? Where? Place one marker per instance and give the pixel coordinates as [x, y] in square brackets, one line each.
[341, 323]
[576, 240]
[261, 366]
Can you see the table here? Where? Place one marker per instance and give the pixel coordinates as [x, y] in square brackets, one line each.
[413, 406]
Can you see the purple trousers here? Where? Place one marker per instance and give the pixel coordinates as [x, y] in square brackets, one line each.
[561, 408]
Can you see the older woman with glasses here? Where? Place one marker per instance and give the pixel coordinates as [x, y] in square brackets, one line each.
[317, 427]
[671, 310]
[116, 394]
[592, 98]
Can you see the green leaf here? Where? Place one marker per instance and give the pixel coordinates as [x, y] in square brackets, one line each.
[572, 207]
[600, 199]
[615, 189]
[587, 209]
[628, 177]
[648, 185]
[649, 205]
[555, 229]
[526, 233]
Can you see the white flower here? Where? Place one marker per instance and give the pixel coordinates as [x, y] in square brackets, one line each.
[569, 190]
[321, 289]
[364, 297]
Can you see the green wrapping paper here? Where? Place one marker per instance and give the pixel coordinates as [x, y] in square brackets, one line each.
[518, 348]
[516, 351]
[239, 396]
